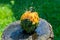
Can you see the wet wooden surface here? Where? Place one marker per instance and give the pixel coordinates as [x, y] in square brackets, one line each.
[15, 32]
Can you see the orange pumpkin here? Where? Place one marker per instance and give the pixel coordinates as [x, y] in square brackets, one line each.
[29, 21]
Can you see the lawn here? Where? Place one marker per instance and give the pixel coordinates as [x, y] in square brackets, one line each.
[11, 10]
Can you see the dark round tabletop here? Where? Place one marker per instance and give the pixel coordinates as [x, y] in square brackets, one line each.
[15, 32]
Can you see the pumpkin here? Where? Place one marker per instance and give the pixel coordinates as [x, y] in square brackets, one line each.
[29, 21]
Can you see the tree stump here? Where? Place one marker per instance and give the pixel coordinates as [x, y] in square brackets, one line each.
[15, 32]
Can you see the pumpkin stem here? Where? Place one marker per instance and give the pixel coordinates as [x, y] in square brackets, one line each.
[31, 9]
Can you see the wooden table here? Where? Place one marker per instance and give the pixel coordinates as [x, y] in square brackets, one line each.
[15, 32]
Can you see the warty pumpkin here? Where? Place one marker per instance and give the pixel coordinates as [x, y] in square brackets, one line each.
[29, 21]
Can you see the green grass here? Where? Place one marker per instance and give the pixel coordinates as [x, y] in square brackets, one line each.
[6, 17]
[48, 9]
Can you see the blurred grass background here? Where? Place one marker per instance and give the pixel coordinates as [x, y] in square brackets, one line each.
[11, 10]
